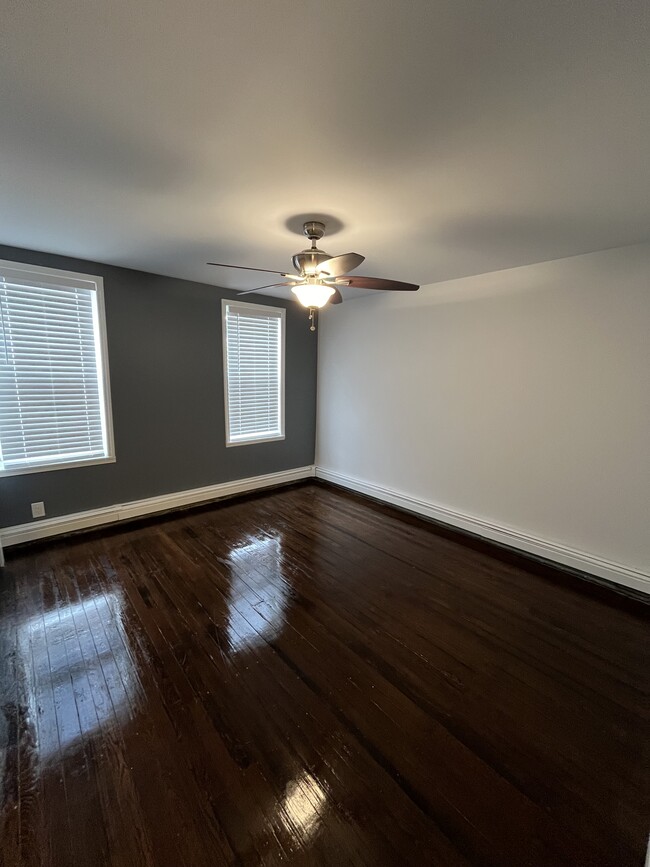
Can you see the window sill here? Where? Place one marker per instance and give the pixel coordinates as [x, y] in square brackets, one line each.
[46, 468]
[252, 442]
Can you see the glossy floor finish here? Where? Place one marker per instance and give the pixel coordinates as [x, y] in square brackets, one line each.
[306, 678]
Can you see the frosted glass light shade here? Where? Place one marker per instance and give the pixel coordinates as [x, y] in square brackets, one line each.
[313, 294]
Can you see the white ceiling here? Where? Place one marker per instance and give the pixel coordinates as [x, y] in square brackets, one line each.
[448, 138]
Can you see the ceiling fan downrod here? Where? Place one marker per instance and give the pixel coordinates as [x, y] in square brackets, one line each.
[314, 230]
[308, 261]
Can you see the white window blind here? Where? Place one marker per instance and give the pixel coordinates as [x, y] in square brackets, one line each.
[53, 385]
[253, 372]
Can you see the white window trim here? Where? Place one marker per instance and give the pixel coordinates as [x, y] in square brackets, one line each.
[74, 278]
[225, 303]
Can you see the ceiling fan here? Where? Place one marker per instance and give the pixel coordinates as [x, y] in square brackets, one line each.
[319, 275]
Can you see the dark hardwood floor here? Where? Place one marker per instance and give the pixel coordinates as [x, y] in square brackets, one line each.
[305, 678]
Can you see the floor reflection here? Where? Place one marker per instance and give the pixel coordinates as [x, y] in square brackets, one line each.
[303, 807]
[80, 673]
[258, 593]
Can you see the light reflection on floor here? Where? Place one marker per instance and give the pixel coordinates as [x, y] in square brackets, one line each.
[258, 594]
[303, 806]
[79, 671]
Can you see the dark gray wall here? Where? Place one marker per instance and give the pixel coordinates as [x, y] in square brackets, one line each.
[165, 359]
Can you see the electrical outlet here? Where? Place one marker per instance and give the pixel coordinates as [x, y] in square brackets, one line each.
[38, 510]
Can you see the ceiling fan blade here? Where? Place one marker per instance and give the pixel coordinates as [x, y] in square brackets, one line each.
[339, 265]
[259, 288]
[379, 283]
[336, 298]
[246, 268]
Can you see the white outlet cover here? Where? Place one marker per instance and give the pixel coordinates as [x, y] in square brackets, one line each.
[38, 510]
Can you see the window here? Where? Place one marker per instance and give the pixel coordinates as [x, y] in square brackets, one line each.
[54, 394]
[253, 355]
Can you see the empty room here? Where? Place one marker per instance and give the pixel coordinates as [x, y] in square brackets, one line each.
[324, 433]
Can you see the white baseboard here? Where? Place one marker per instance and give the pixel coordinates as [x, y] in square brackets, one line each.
[581, 560]
[40, 529]
[513, 538]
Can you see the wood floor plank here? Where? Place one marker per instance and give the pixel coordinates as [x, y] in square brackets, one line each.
[305, 677]
[9, 723]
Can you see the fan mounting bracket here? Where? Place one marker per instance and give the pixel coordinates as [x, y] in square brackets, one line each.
[313, 229]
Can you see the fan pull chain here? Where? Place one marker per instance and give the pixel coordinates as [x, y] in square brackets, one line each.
[312, 318]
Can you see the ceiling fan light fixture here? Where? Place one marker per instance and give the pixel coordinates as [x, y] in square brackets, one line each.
[313, 294]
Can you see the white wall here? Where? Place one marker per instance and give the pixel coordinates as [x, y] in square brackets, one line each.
[515, 403]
